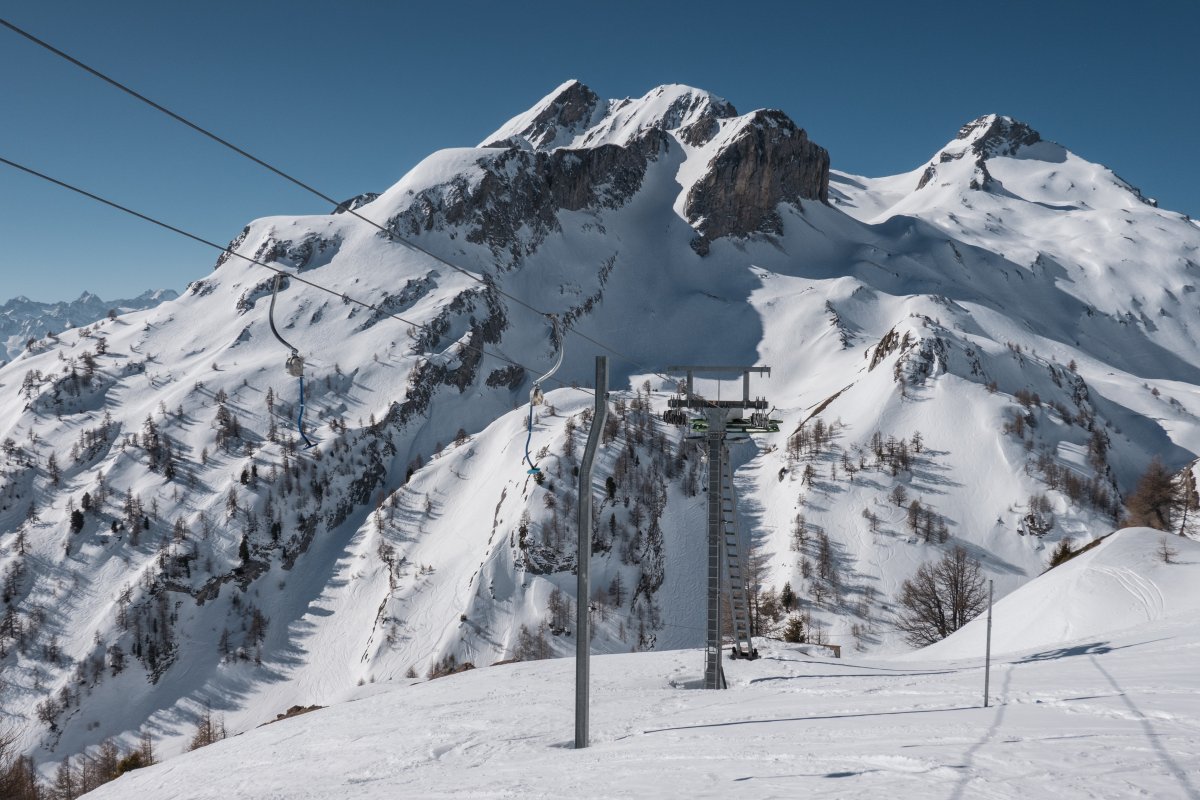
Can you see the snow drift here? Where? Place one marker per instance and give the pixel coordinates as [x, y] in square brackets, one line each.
[1122, 583]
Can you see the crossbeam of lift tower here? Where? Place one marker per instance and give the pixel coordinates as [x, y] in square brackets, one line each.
[726, 550]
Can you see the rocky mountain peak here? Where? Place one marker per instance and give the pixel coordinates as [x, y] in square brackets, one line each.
[997, 135]
[572, 151]
[693, 114]
[552, 121]
[573, 116]
[356, 202]
[989, 136]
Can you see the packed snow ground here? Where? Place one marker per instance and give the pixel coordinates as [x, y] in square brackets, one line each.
[1113, 714]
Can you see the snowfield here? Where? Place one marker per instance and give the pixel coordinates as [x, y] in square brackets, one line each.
[1114, 713]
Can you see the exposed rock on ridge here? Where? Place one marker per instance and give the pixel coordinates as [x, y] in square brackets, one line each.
[356, 202]
[985, 137]
[562, 113]
[515, 205]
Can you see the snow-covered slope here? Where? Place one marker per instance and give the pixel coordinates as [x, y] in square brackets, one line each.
[180, 550]
[1116, 718]
[1122, 584]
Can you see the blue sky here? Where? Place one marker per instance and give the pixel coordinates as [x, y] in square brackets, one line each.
[349, 95]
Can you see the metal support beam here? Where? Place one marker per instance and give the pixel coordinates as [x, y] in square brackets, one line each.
[583, 569]
[759, 404]
[987, 657]
[722, 370]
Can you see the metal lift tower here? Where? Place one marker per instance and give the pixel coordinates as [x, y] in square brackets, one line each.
[725, 551]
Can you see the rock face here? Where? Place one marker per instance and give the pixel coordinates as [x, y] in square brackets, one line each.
[768, 162]
[704, 122]
[995, 135]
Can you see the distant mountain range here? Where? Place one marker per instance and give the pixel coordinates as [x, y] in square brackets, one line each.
[22, 319]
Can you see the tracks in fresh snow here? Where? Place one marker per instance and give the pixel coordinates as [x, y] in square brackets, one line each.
[1142, 589]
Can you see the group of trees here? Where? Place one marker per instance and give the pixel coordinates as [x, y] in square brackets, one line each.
[923, 521]
[940, 598]
[627, 520]
[1163, 500]
[288, 495]
[74, 777]
[943, 596]
[1095, 491]
[81, 774]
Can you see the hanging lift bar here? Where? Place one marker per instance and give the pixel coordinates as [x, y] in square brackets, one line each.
[294, 363]
[537, 398]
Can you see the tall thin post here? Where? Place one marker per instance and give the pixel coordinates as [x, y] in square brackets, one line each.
[987, 659]
[583, 571]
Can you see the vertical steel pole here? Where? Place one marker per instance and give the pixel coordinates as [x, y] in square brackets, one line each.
[987, 663]
[583, 569]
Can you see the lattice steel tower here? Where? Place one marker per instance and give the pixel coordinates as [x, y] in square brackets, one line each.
[726, 550]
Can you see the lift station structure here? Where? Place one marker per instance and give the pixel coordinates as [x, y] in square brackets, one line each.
[718, 423]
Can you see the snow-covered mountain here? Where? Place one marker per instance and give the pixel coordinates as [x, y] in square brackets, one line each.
[1002, 335]
[22, 319]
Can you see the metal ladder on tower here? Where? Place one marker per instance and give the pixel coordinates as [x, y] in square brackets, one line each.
[714, 675]
[733, 553]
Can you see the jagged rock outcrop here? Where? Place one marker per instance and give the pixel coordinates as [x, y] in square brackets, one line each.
[706, 115]
[568, 109]
[995, 135]
[310, 252]
[356, 202]
[767, 162]
[515, 204]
